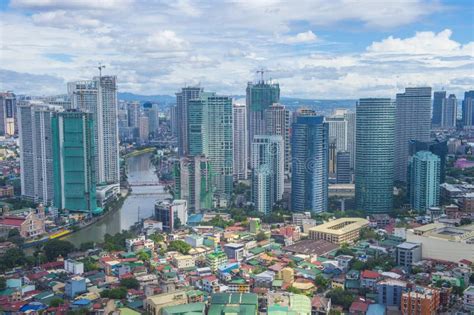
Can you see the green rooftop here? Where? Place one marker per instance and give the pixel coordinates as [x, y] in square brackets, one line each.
[185, 309]
[233, 303]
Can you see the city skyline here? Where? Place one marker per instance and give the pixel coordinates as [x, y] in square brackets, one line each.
[311, 53]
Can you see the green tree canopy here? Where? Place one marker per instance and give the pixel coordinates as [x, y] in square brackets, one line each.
[55, 248]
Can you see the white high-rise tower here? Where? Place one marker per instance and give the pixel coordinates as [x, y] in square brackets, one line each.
[99, 97]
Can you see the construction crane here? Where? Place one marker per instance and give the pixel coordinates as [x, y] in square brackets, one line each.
[100, 67]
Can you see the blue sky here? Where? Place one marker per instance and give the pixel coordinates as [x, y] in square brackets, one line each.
[313, 48]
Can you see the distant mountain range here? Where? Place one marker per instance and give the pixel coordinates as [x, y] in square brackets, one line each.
[320, 105]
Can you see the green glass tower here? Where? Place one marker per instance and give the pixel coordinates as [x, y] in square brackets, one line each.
[193, 182]
[259, 97]
[74, 162]
[375, 145]
[210, 134]
[423, 180]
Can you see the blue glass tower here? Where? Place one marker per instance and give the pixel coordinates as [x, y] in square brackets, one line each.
[375, 145]
[310, 164]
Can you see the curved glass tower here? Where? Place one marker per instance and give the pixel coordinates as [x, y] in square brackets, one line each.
[375, 144]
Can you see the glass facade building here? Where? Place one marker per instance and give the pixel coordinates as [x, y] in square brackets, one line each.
[310, 163]
[74, 162]
[374, 168]
[423, 188]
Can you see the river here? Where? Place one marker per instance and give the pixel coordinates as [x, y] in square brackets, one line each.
[139, 204]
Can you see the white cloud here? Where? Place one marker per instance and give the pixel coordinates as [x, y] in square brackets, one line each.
[165, 40]
[300, 38]
[70, 4]
[61, 18]
[155, 47]
[428, 43]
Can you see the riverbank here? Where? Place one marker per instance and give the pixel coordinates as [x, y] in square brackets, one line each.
[138, 204]
[139, 152]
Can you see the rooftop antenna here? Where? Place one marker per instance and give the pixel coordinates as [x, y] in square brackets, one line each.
[100, 67]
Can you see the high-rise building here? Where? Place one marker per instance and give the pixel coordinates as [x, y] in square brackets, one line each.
[193, 182]
[374, 168]
[413, 122]
[173, 116]
[73, 161]
[439, 148]
[152, 113]
[172, 214]
[450, 112]
[134, 113]
[343, 168]
[99, 97]
[423, 187]
[36, 150]
[351, 136]
[262, 185]
[468, 109]
[144, 128]
[277, 122]
[210, 132]
[240, 141]
[268, 151]
[182, 100]
[260, 96]
[8, 123]
[310, 155]
[439, 99]
[338, 131]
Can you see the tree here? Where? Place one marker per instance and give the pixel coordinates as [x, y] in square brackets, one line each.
[117, 293]
[180, 246]
[117, 241]
[86, 245]
[13, 257]
[3, 283]
[294, 290]
[55, 248]
[157, 238]
[143, 256]
[55, 302]
[341, 297]
[321, 282]
[15, 237]
[177, 223]
[261, 236]
[130, 283]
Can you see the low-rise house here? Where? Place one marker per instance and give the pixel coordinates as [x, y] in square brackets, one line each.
[368, 279]
[154, 304]
[183, 261]
[320, 305]
[468, 299]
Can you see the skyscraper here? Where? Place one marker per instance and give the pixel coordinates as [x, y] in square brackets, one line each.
[73, 161]
[36, 150]
[268, 151]
[450, 112]
[424, 170]
[182, 100]
[8, 121]
[210, 133]
[468, 109]
[310, 150]
[338, 129]
[193, 182]
[99, 97]
[240, 131]
[173, 117]
[144, 128]
[438, 148]
[277, 122]
[374, 168]
[439, 99]
[351, 135]
[260, 96]
[262, 186]
[343, 168]
[413, 122]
